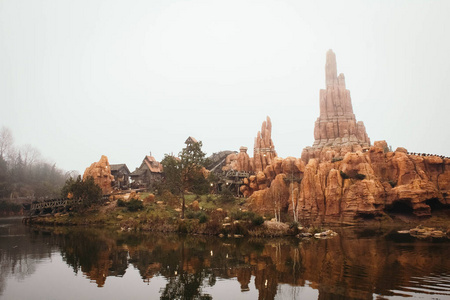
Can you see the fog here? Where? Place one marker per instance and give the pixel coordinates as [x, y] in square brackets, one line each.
[79, 79]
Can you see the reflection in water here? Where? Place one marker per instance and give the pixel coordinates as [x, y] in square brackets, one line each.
[351, 266]
[20, 251]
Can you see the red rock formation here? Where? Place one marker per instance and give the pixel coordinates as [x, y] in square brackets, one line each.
[243, 160]
[342, 178]
[238, 161]
[336, 128]
[264, 149]
[101, 172]
[361, 184]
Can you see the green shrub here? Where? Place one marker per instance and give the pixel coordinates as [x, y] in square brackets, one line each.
[242, 215]
[226, 196]
[257, 221]
[190, 214]
[202, 218]
[135, 205]
[121, 203]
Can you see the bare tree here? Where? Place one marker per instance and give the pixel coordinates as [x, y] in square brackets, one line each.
[30, 155]
[6, 141]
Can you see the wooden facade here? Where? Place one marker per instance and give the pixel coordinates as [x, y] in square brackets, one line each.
[148, 174]
[121, 175]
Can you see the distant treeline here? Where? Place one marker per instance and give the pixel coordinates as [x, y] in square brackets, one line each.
[24, 173]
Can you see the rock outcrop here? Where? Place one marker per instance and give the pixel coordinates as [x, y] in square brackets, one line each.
[264, 153]
[244, 163]
[238, 161]
[336, 128]
[361, 185]
[264, 149]
[101, 172]
[341, 177]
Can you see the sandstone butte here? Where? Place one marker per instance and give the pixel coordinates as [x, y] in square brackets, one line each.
[341, 177]
[101, 172]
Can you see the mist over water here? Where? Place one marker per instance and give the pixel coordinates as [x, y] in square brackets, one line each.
[89, 263]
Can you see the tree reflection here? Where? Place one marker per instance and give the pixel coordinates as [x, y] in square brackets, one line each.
[349, 266]
[187, 286]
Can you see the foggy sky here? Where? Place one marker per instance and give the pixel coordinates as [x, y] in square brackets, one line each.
[83, 78]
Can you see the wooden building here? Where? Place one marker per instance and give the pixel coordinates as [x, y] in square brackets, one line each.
[190, 140]
[121, 175]
[148, 174]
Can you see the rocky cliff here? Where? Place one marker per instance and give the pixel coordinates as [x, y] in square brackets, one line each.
[341, 177]
[360, 184]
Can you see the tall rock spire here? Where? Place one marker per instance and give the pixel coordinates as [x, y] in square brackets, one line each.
[330, 69]
[337, 125]
[264, 149]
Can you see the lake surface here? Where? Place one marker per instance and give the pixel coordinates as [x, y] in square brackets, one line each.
[90, 263]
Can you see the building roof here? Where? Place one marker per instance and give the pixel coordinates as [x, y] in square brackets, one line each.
[137, 173]
[117, 167]
[153, 165]
[190, 140]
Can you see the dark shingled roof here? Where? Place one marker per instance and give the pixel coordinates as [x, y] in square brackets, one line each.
[117, 167]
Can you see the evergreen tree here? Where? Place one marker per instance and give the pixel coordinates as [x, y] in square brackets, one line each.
[86, 190]
[183, 174]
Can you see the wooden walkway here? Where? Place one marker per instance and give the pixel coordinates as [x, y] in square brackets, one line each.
[54, 205]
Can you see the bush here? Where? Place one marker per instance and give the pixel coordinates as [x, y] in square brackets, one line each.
[135, 205]
[201, 216]
[242, 215]
[226, 196]
[132, 205]
[257, 221]
[190, 214]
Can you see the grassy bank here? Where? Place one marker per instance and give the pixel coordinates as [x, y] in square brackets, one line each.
[208, 214]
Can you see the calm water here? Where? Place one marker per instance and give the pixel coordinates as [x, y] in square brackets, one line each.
[74, 263]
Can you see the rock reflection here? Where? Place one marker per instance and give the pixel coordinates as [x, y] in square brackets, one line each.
[350, 266]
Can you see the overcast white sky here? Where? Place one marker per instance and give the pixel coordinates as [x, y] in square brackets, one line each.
[83, 78]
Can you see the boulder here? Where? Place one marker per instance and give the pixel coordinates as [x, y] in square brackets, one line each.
[101, 172]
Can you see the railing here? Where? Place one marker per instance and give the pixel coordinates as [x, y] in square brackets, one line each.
[54, 203]
[427, 154]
